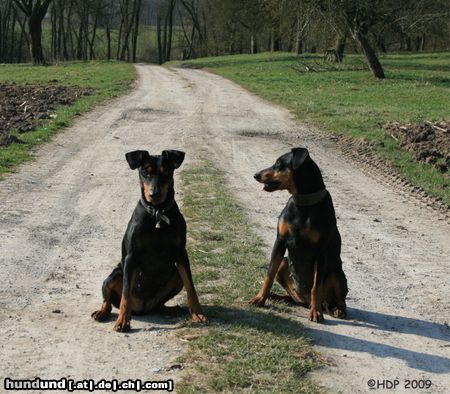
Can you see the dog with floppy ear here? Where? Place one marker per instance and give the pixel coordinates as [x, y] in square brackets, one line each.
[155, 264]
[312, 272]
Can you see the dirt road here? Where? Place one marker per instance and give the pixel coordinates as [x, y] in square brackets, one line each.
[62, 218]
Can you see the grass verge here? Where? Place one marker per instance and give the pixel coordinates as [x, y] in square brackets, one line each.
[109, 79]
[350, 101]
[242, 348]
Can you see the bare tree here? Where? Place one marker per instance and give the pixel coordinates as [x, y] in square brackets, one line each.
[90, 29]
[6, 14]
[197, 45]
[35, 11]
[165, 32]
[137, 10]
[360, 18]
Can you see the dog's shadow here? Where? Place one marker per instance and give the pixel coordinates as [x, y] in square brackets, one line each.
[371, 321]
[156, 321]
[400, 324]
[264, 321]
[378, 325]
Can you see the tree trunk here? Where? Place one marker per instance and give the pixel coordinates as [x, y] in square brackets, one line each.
[37, 54]
[119, 39]
[136, 30]
[86, 32]
[6, 30]
[253, 45]
[68, 38]
[129, 22]
[340, 46]
[275, 42]
[13, 37]
[22, 36]
[370, 54]
[60, 31]
[80, 42]
[408, 44]
[420, 42]
[164, 37]
[231, 44]
[298, 42]
[158, 34]
[192, 52]
[35, 14]
[169, 38]
[94, 34]
[53, 21]
[108, 40]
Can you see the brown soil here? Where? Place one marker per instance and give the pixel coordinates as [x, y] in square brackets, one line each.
[428, 142]
[23, 107]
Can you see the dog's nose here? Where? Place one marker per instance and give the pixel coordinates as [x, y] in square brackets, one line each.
[155, 194]
[257, 176]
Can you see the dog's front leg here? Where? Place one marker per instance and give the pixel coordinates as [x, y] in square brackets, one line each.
[278, 251]
[124, 317]
[184, 269]
[315, 312]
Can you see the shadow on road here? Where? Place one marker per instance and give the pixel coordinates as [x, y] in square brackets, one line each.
[263, 321]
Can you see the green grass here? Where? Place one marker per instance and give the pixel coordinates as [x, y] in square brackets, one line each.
[242, 347]
[108, 79]
[354, 103]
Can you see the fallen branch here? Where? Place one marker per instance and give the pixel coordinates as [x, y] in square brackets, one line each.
[395, 138]
[435, 127]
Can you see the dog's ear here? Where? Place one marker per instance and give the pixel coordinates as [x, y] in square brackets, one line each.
[173, 157]
[299, 155]
[136, 158]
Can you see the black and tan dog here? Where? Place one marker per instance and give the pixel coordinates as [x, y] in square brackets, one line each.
[312, 273]
[154, 265]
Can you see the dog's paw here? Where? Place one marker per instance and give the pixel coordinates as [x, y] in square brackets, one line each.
[122, 325]
[258, 300]
[100, 315]
[340, 313]
[316, 315]
[199, 318]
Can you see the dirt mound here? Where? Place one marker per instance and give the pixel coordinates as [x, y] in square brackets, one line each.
[23, 107]
[428, 142]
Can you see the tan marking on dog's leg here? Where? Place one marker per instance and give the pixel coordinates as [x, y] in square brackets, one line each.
[105, 310]
[194, 305]
[262, 295]
[124, 317]
[284, 279]
[316, 313]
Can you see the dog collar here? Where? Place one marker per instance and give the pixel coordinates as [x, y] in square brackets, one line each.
[158, 214]
[304, 200]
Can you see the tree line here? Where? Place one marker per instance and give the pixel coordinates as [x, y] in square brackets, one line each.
[160, 30]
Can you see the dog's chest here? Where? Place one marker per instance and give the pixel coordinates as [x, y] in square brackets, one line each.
[150, 243]
[304, 232]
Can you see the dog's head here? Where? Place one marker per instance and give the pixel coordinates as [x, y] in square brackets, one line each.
[155, 172]
[280, 176]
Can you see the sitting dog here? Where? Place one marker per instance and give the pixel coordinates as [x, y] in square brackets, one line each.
[154, 265]
[312, 273]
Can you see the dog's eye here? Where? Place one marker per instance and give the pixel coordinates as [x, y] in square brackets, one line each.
[146, 171]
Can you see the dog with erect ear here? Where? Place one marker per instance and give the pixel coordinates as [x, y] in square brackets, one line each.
[154, 266]
[311, 273]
